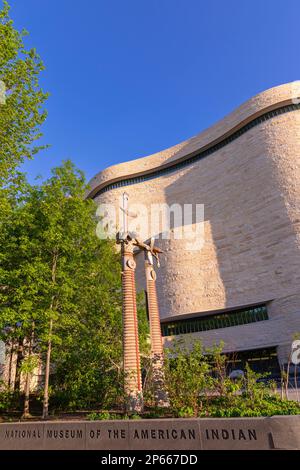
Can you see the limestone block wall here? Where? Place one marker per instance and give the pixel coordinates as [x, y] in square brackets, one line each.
[250, 188]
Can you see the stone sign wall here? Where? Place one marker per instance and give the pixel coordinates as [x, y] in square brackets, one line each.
[279, 432]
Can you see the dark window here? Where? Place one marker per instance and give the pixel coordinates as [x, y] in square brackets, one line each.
[216, 321]
[260, 360]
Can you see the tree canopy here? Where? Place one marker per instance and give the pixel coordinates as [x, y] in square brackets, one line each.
[63, 284]
[21, 112]
[60, 286]
[49, 256]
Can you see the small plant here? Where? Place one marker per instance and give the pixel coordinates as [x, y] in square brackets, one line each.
[187, 373]
[198, 385]
[135, 416]
[8, 399]
[103, 415]
[156, 413]
[186, 412]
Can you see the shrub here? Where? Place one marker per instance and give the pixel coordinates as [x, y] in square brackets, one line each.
[8, 399]
[198, 385]
[187, 377]
[103, 415]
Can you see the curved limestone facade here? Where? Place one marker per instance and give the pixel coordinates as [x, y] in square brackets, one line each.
[245, 170]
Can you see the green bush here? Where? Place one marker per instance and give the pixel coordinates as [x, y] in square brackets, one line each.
[186, 375]
[185, 412]
[8, 399]
[198, 385]
[135, 416]
[244, 407]
[103, 415]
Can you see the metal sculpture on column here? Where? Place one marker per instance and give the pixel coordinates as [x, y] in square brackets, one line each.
[157, 353]
[131, 354]
[133, 387]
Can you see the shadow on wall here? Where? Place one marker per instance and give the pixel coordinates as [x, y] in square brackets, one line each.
[251, 253]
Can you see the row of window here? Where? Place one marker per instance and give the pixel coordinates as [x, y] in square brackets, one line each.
[260, 360]
[215, 321]
[200, 155]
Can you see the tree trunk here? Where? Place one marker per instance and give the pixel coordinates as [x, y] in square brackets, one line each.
[287, 378]
[296, 381]
[20, 352]
[47, 373]
[281, 382]
[26, 412]
[11, 352]
[49, 348]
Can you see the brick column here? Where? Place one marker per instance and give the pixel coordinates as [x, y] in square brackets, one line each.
[131, 354]
[160, 394]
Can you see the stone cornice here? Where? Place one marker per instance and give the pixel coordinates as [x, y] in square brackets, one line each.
[261, 107]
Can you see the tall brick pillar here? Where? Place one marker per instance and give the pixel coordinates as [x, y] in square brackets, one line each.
[131, 354]
[160, 394]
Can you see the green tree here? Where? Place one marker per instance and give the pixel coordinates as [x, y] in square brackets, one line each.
[88, 364]
[22, 113]
[60, 293]
[83, 273]
[188, 378]
[20, 283]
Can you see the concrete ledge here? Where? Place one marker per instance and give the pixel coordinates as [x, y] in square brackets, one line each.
[278, 432]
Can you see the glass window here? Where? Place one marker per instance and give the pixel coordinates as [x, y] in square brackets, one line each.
[216, 321]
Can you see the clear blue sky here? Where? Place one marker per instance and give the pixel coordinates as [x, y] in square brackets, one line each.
[131, 77]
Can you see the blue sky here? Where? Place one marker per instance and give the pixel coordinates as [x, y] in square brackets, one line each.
[131, 77]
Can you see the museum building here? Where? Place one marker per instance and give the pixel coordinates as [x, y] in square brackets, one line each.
[243, 286]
